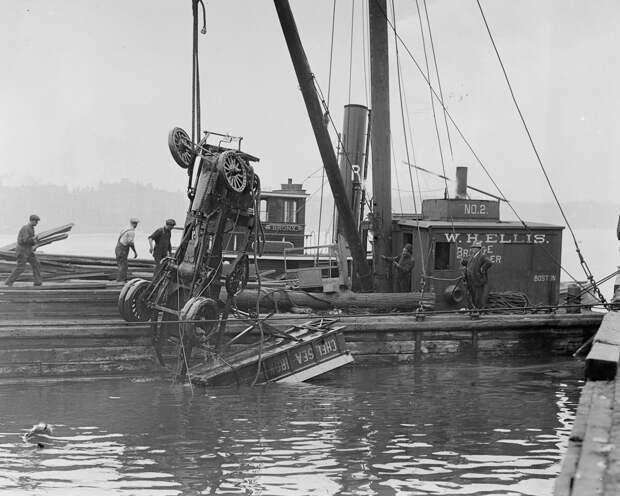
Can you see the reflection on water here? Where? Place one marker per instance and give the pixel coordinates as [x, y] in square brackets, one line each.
[440, 428]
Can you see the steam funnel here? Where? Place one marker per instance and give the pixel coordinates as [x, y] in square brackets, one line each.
[461, 183]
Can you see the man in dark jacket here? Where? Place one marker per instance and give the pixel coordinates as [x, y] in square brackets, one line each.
[26, 245]
[161, 239]
[404, 265]
[477, 277]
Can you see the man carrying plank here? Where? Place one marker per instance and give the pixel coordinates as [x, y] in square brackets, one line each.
[26, 245]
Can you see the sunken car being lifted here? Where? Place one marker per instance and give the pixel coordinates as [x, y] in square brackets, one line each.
[185, 301]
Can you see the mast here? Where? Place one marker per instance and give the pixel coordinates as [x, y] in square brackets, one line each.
[330, 162]
[381, 220]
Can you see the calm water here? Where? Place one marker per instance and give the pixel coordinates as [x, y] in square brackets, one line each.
[439, 428]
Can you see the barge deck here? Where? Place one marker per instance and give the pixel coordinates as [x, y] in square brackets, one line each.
[108, 346]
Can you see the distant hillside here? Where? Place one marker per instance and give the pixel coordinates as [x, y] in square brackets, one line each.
[580, 214]
[108, 207]
[104, 208]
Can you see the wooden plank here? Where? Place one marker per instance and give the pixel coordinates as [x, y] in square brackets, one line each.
[92, 354]
[439, 347]
[602, 361]
[82, 342]
[588, 480]
[75, 332]
[388, 359]
[318, 369]
[609, 332]
[612, 477]
[79, 369]
[387, 348]
[564, 482]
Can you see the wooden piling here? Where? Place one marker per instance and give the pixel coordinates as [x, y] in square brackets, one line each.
[591, 465]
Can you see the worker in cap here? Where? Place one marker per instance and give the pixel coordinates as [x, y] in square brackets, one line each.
[160, 245]
[476, 276]
[403, 265]
[24, 251]
[125, 243]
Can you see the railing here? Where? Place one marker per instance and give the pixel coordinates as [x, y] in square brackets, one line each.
[324, 257]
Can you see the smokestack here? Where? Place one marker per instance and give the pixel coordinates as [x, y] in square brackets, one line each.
[461, 183]
[352, 155]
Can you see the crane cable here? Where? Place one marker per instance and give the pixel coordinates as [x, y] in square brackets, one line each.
[402, 114]
[329, 87]
[433, 52]
[365, 53]
[351, 51]
[428, 76]
[582, 261]
[195, 69]
[470, 147]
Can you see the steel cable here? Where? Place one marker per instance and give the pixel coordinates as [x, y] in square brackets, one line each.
[582, 261]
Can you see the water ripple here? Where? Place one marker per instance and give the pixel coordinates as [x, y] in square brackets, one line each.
[457, 429]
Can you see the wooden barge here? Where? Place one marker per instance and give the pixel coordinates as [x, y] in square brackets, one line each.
[37, 340]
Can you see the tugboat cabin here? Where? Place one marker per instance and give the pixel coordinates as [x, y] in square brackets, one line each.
[526, 258]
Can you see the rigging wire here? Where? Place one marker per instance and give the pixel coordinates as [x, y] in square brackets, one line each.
[582, 261]
[410, 129]
[400, 198]
[331, 52]
[416, 169]
[433, 51]
[428, 75]
[469, 145]
[195, 69]
[402, 115]
[181, 331]
[351, 50]
[364, 52]
[329, 87]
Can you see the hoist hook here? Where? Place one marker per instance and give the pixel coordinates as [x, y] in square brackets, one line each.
[204, 17]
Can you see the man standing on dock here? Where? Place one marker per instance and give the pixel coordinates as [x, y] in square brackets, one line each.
[124, 243]
[26, 245]
[404, 265]
[477, 277]
[161, 239]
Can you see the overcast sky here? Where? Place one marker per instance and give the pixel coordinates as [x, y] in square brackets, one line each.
[90, 89]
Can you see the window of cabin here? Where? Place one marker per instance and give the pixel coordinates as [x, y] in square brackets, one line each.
[290, 211]
[442, 255]
[407, 238]
[264, 212]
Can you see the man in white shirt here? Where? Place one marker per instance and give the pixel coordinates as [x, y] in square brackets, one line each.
[124, 243]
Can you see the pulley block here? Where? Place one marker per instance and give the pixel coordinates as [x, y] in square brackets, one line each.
[237, 278]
